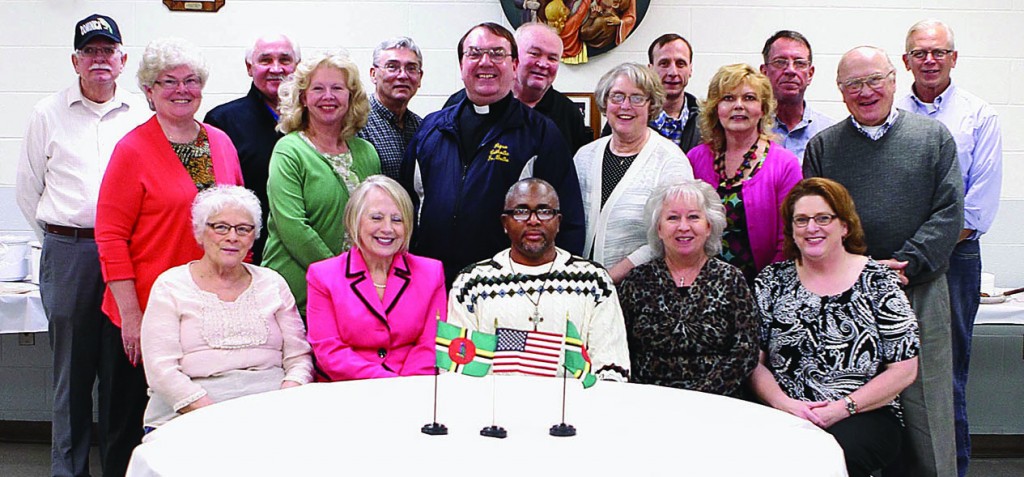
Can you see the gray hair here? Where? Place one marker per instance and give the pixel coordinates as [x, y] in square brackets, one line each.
[169, 53]
[394, 44]
[642, 76]
[249, 60]
[357, 204]
[927, 25]
[216, 199]
[696, 190]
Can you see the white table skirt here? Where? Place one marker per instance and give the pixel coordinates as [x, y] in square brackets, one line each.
[374, 425]
[1010, 312]
[22, 313]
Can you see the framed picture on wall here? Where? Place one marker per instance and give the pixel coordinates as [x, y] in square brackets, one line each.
[588, 107]
[194, 6]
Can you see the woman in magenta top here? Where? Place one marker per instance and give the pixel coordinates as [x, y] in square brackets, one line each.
[751, 173]
[372, 311]
[143, 214]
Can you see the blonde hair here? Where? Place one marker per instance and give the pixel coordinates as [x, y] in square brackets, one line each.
[357, 204]
[294, 115]
[725, 80]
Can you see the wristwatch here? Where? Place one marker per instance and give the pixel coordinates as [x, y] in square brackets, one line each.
[851, 405]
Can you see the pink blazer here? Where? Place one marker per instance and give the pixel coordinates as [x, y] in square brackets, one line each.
[355, 335]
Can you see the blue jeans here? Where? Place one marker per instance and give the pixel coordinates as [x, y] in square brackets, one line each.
[964, 279]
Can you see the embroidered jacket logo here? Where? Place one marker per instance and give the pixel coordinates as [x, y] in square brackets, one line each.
[97, 24]
[498, 153]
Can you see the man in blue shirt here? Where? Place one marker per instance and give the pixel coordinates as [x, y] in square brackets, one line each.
[931, 56]
[788, 64]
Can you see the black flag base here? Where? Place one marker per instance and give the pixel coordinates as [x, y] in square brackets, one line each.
[562, 430]
[434, 429]
[494, 431]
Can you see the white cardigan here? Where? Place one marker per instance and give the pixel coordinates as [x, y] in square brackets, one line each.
[619, 229]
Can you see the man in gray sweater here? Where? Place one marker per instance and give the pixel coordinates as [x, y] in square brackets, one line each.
[903, 174]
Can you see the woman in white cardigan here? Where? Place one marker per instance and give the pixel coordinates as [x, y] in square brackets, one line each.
[617, 173]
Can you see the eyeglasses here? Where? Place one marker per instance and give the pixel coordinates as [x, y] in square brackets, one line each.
[522, 214]
[393, 67]
[820, 219]
[220, 228]
[192, 82]
[634, 99]
[799, 64]
[97, 51]
[938, 54]
[853, 86]
[497, 55]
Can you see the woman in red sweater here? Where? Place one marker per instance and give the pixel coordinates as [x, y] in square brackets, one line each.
[143, 220]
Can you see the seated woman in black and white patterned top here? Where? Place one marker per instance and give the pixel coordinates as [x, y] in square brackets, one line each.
[690, 318]
[839, 339]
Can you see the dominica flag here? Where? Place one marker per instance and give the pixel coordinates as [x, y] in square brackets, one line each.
[577, 361]
[460, 350]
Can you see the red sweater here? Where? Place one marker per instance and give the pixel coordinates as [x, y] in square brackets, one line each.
[144, 210]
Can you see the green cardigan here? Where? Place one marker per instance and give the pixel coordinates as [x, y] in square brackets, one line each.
[307, 205]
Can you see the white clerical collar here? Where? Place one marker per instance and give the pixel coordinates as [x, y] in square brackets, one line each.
[485, 109]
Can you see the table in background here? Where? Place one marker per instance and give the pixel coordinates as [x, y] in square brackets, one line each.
[21, 312]
[374, 425]
[995, 388]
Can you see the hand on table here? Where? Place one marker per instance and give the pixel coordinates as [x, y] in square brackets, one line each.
[289, 384]
[198, 403]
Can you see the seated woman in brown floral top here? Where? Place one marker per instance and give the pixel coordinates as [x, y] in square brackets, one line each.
[690, 318]
[839, 338]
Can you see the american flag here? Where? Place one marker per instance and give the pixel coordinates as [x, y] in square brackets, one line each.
[527, 352]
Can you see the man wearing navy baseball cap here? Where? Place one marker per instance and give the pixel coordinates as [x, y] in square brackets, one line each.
[67, 145]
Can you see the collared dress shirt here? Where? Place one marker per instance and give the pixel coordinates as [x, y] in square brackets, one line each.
[795, 140]
[876, 132]
[387, 138]
[974, 125]
[65, 152]
[669, 127]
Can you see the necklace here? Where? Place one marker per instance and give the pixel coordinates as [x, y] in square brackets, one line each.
[687, 273]
[745, 169]
[535, 318]
[380, 287]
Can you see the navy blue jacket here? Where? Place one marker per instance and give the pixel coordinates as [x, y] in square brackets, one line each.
[250, 124]
[460, 213]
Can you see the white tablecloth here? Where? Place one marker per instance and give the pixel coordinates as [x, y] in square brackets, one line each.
[1010, 312]
[22, 313]
[374, 426]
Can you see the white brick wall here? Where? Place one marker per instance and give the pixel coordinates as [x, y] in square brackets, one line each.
[35, 48]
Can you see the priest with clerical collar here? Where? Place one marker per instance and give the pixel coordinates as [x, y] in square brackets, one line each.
[465, 156]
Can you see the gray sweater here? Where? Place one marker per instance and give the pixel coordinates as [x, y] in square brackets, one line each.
[906, 186]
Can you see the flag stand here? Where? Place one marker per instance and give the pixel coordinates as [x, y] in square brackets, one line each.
[434, 428]
[562, 429]
[493, 430]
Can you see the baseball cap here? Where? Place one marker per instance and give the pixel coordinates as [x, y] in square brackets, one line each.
[94, 26]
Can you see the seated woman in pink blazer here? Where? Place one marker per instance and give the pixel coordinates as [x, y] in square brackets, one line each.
[373, 310]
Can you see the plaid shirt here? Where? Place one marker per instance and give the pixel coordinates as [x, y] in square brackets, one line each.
[876, 133]
[669, 127]
[387, 138]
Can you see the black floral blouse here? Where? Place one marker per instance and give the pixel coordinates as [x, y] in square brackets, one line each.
[823, 348]
[702, 337]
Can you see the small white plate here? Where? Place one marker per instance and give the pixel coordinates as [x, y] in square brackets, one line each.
[993, 300]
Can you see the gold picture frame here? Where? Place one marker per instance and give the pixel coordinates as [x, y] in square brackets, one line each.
[194, 5]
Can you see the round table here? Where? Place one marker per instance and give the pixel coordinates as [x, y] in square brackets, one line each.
[374, 426]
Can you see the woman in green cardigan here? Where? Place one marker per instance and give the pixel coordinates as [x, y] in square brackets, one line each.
[315, 167]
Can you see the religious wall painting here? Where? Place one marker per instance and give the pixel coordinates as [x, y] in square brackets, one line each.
[587, 27]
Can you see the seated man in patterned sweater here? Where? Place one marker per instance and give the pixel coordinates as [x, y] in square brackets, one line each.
[531, 289]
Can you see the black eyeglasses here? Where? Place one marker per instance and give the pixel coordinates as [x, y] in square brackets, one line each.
[220, 228]
[522, 214]
[938, 53]
[820, 219]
